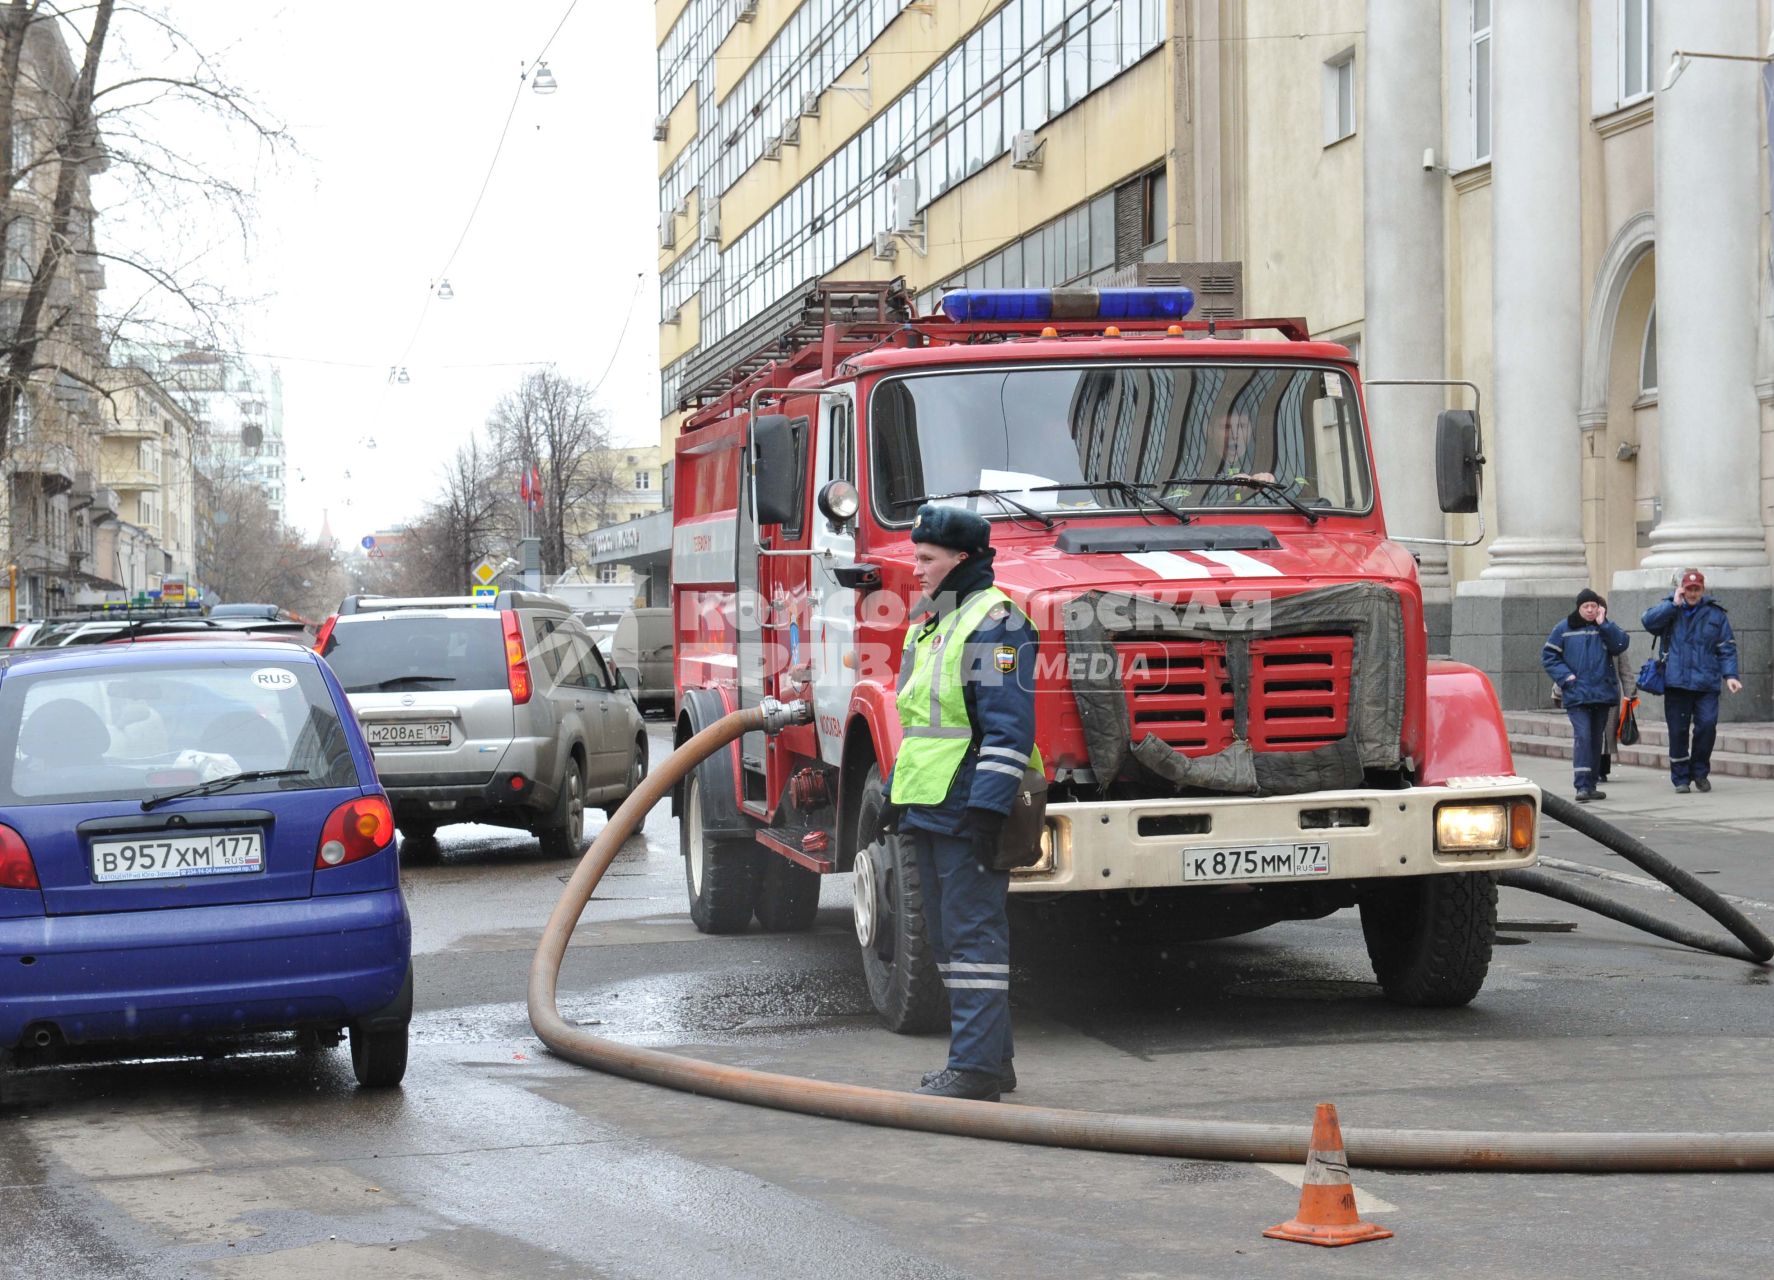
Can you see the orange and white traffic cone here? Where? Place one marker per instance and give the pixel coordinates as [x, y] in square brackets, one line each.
[1327, 1200]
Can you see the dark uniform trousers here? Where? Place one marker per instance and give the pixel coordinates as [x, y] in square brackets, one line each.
[969, 932]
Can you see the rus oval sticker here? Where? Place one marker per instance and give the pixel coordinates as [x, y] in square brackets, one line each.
[274, 678]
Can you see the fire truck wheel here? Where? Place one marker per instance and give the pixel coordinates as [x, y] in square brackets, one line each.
[1429, 937]
[721, 876]
[788, 896]
[904, 985]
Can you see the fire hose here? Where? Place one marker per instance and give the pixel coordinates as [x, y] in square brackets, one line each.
[1051, 1126]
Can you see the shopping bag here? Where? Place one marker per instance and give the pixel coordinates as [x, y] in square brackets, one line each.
[1628, 731]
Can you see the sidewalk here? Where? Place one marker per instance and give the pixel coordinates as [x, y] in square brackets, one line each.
[1645, 795]
[1744, 750]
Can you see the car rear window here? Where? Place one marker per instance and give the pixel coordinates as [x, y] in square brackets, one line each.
[110, 732]
[383, 655]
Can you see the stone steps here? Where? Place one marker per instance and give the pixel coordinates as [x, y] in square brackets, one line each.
[1743, 750]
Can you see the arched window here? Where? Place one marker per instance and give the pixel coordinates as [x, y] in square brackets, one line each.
[1647, 361]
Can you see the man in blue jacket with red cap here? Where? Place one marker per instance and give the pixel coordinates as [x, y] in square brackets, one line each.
[1702, 653]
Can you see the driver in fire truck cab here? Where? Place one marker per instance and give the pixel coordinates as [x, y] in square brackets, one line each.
[967, 712]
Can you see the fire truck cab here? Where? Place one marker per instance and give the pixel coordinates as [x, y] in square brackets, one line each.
[1236, 709]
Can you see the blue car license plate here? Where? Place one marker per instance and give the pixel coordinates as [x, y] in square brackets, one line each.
[162, 857]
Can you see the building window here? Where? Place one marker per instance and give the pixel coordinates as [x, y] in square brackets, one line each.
[1339, 97]
[1647, 360]
[1635, 50]
[21, 249]
[643, 479]
[607, 573]
[1481, 80]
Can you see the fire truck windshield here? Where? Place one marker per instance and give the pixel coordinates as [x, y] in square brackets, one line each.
[1173, 429]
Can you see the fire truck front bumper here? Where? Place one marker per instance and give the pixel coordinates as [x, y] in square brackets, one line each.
[1469, 824]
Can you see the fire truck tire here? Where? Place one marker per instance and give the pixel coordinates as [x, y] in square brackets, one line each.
[899, 964]
[720, 875]
[788, 896]
[1429, 937]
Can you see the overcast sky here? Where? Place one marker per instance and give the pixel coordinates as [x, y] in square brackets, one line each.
[396, 106]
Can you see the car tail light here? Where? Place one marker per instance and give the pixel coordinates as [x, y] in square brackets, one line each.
[17, 871]
[517, 670]
[324, 636]
[355, 830]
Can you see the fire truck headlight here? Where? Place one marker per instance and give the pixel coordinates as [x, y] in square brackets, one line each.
[838, 501]
[1472, 828]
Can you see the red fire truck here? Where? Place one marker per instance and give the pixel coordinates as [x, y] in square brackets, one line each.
[1235, 704]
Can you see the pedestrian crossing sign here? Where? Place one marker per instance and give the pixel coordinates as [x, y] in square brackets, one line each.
[486, 597]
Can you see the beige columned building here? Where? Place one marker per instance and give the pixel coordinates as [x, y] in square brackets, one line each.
[1493, 191]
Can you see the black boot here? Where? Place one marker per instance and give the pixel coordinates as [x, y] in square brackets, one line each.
[950, 1083]
[1006, 1077]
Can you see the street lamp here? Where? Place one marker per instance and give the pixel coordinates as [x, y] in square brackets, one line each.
[542, 81]
[444, 292]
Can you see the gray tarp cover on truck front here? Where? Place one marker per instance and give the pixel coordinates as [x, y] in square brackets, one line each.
[1372, 614]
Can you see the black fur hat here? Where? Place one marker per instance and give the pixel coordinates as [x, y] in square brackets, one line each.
[952, 527]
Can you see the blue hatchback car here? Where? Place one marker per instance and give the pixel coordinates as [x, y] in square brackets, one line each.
[193, 848]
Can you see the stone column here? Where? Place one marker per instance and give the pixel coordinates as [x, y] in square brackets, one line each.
[1537, 560]
[1709, 266]
[1403, 284]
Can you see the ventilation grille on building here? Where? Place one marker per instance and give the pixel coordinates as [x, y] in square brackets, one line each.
[1218, 286]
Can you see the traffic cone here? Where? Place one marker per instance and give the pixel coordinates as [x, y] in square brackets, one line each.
[1327, 1200]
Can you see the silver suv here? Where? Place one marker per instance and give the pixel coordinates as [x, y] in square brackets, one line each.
[500, 711]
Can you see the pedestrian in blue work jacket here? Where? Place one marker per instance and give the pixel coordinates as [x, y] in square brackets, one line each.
[1579, 656]
[1702, 653]
[967, 717]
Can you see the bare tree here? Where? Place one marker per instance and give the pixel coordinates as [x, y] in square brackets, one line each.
[549, 423]
[251, 555]
[58, 128]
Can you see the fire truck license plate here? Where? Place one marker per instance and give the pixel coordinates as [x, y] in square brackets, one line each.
[1256, 862]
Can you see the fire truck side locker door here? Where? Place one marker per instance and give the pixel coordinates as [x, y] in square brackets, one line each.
[832, 609]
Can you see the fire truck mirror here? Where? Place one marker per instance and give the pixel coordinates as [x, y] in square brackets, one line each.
[1457, 460]
[773, 469]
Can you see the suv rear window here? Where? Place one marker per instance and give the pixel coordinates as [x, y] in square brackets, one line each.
[116, 732]
[381, 655]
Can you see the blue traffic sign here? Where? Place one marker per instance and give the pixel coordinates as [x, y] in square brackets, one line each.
[368, 542]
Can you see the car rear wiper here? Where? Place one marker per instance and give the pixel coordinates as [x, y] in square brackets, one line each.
[1127, 488]
[220, 784]
[1261, 486]
[391, 681]
[1023, 507]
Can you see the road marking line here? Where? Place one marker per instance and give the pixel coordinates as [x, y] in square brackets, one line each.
[1639, 882]
[1295, 1176]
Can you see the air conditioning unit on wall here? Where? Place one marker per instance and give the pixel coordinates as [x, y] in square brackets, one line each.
[906, 218]
[885, 249]
[1026, 151]
[661, 128]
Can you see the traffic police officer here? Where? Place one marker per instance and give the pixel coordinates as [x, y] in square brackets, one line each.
[967, 710]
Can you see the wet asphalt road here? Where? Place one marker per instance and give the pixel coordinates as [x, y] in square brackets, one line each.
[497, 1160]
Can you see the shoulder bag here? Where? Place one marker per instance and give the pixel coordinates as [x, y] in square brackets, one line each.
[1019, 843]
[1651, 675]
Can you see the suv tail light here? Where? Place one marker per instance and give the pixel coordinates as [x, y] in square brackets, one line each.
[324, 636]
[355, 830]
[17, 871]
[517, 670]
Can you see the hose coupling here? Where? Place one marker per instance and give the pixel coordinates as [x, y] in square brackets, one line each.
[780, 715]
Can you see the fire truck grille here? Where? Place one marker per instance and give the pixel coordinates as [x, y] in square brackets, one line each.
[1181, 691]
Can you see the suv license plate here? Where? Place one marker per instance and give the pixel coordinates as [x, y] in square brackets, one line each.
[161, 858]
[1256, 862]
[430, 734]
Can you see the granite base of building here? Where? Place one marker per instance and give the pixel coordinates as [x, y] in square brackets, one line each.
[1438, 620]
[1500, 627]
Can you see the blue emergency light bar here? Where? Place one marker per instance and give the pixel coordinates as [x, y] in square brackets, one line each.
[964, 305]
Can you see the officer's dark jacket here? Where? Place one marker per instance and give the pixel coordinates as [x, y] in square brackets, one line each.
[1702, 651]
[1579, 656]
[998, 671]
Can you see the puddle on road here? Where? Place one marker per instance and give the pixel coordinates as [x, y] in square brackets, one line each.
[670, 1009]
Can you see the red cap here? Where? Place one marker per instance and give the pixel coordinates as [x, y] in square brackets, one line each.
[1693, 578]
